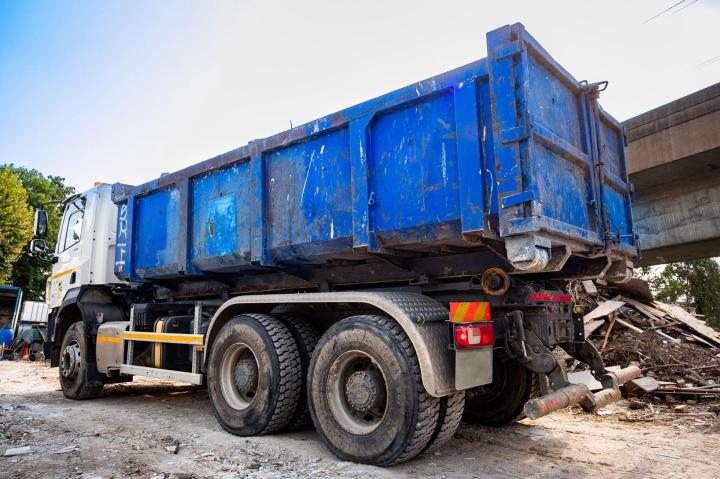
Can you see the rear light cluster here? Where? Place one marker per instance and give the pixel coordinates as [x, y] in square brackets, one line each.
[474, 335]
[472, 325]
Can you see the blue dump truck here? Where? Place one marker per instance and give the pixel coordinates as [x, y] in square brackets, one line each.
[379, 273]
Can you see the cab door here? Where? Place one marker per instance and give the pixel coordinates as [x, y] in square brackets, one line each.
[66, 272]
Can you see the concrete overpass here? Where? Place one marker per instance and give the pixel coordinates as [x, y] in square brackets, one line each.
[673, 157]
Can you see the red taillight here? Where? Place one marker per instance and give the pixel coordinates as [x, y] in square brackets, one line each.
[474, 335]
[563, 298]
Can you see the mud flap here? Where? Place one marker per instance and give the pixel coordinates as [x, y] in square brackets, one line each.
[473, 367]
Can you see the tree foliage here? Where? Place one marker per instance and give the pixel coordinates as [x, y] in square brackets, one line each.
[30, 273]
[695, 282]
[16, 221]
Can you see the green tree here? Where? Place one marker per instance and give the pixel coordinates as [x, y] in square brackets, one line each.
[30, 273]
[695, 282]
[16, 221]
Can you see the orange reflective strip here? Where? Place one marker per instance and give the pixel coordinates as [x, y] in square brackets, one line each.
[468, 312]
[63, 273]
[109, 339]
[164, 337]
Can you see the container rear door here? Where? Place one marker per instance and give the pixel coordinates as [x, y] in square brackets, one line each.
[546, 131]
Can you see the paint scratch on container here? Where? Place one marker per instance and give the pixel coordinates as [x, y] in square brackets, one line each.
[443, 159]
[307, 175]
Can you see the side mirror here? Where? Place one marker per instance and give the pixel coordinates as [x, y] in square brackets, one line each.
[37, 247]
[41, 225]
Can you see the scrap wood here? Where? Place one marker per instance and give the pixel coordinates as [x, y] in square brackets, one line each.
[646, 383]
[603, 309]
[592, 326]
[613, 318]
[649, 311]
[629, 326]
[590, 287]
[667, 336]
[690, 321]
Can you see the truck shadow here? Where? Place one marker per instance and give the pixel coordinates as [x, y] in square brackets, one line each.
[519, 450]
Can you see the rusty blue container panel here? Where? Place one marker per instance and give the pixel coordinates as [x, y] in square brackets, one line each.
[510, 148]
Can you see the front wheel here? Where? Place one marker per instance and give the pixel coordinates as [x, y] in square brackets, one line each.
[366, 395]
[79, 377]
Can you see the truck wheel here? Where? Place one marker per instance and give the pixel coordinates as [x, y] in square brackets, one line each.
[502, 401]
[306, 337]
[79, 378]
[451, 413]
[254, 380]
[366, 395]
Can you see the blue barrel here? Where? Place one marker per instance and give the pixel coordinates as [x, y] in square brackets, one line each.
[6, 336]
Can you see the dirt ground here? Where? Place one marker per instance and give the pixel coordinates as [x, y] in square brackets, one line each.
[126, 431]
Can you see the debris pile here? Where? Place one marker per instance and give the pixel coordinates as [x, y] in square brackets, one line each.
[678, 353]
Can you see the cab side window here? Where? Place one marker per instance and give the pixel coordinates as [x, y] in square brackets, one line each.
[72, 225]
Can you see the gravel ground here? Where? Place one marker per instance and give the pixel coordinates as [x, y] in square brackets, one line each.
[127, 432]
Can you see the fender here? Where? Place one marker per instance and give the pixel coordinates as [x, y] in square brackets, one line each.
[93, 306]
[423, 319]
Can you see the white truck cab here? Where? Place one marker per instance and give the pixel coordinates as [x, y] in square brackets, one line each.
[85, 248]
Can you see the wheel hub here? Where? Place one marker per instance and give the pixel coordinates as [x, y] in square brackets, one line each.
[239, 376]
[364, 391]
[70, 364]
[246, 376]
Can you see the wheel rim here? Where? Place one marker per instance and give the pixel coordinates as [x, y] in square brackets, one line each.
[239, 376]
[70, 364]
[357, 392]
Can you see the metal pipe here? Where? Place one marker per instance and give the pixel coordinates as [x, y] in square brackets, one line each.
[606, 396]
[560, 399]
[627, 374]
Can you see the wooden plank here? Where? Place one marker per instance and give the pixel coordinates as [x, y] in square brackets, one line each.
[609, 329]
[603, 309]
[590, 287]
[690, 321]
[649, 311]
[592, 326]
[629, 326]
[634, 287]
[646, 383]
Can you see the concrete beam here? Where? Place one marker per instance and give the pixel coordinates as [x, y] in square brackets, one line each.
[683, 140]
[679, 220]
[673, 156]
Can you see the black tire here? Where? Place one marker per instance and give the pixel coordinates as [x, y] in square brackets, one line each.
[277, 379]
[79, 377]
[501, 402]
[451, 413]
[408, 422]
[306, 337]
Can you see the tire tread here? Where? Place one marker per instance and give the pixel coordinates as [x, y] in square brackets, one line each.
[290, 387]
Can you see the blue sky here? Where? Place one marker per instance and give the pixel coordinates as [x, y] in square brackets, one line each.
[123, 91]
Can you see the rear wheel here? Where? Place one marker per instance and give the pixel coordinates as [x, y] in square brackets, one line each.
[254, 375]
[451, 413]
[366, 395]
[501, 402]
[79, 377]
[306, 337]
